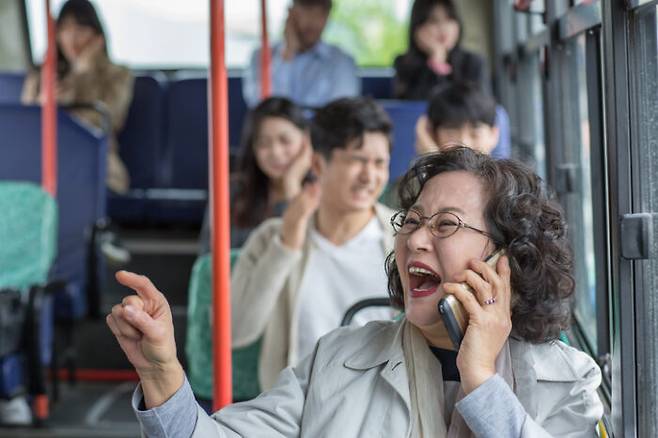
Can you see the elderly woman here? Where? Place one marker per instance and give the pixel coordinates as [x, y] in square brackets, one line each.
[511, 377]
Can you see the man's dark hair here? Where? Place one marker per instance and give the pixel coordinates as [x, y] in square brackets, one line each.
[524, 219]
[326, 4]
[339, 122]
[458, 104]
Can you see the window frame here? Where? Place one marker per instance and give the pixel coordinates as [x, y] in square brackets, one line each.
[640, 15]
[569, 23]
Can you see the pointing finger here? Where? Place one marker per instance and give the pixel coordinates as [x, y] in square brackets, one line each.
[140, 284]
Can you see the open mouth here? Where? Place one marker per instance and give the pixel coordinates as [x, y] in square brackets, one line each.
[422, 280]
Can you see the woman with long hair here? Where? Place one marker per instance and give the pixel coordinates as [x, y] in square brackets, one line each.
[434, 55]
[275, 157]
[86, 75]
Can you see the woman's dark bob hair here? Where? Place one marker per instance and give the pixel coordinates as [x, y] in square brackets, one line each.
[525, 221]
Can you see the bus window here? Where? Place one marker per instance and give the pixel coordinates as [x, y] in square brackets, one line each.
[14, 50]
[530, 142]
[583, 230]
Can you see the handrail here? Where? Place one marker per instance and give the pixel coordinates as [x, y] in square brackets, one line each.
[49, 113]
[265, 54]
[219, 208]
[360, 305]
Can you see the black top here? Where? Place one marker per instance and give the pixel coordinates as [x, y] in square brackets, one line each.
[448, 359]
[414, 80]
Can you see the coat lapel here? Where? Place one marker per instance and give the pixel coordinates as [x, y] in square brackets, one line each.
[385, 347]
[525, 378]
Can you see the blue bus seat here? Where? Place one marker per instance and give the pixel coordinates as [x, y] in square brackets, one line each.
[181, 192]
[198, 345]
[187, 139]
[237, 111]
[81, 194]
[140, 148]
[404, 115]
[378, 86]
[28, 232]
[11, 87]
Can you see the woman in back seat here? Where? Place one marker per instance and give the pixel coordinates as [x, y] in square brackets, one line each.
[275, 157]
[435, 56]
[85, 75]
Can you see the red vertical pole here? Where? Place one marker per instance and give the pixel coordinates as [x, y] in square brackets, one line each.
[265, 54]
[49, 111]
[219, 207]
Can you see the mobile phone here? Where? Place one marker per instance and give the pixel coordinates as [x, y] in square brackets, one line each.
[453, 313]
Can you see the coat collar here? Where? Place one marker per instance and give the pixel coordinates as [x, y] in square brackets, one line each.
[382, 346]
[525, 377]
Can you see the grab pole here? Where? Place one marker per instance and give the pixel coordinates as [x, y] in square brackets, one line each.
[49, 111]
[265, 54]
[219, 208]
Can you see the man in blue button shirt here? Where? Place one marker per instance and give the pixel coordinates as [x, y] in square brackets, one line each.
[304, 68]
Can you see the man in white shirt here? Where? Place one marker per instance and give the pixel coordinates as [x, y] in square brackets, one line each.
[297, 275]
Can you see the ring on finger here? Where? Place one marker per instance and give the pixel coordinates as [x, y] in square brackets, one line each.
[491, 300]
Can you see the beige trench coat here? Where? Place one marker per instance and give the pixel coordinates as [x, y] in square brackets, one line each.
[355, 385]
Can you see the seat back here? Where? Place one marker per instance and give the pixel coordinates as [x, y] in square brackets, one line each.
[140, 141]
[187, 139]
[81, 157]
[28, 232]
[11, 87]
[404, 115]
[198, 346]
[377, 86]
[237, 111]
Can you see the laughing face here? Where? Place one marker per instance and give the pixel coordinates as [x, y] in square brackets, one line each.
[426, 260]
[355, 176]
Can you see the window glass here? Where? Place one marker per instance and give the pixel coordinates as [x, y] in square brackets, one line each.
[174, 34]
[374, 32]
[529, 123]
[13, 56]
[537, 112]
[581, 205]
[536, 18]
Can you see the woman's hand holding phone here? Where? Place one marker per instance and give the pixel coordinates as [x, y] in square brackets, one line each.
[489, 325]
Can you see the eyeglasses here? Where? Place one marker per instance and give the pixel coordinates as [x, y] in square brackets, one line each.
[441, 224]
